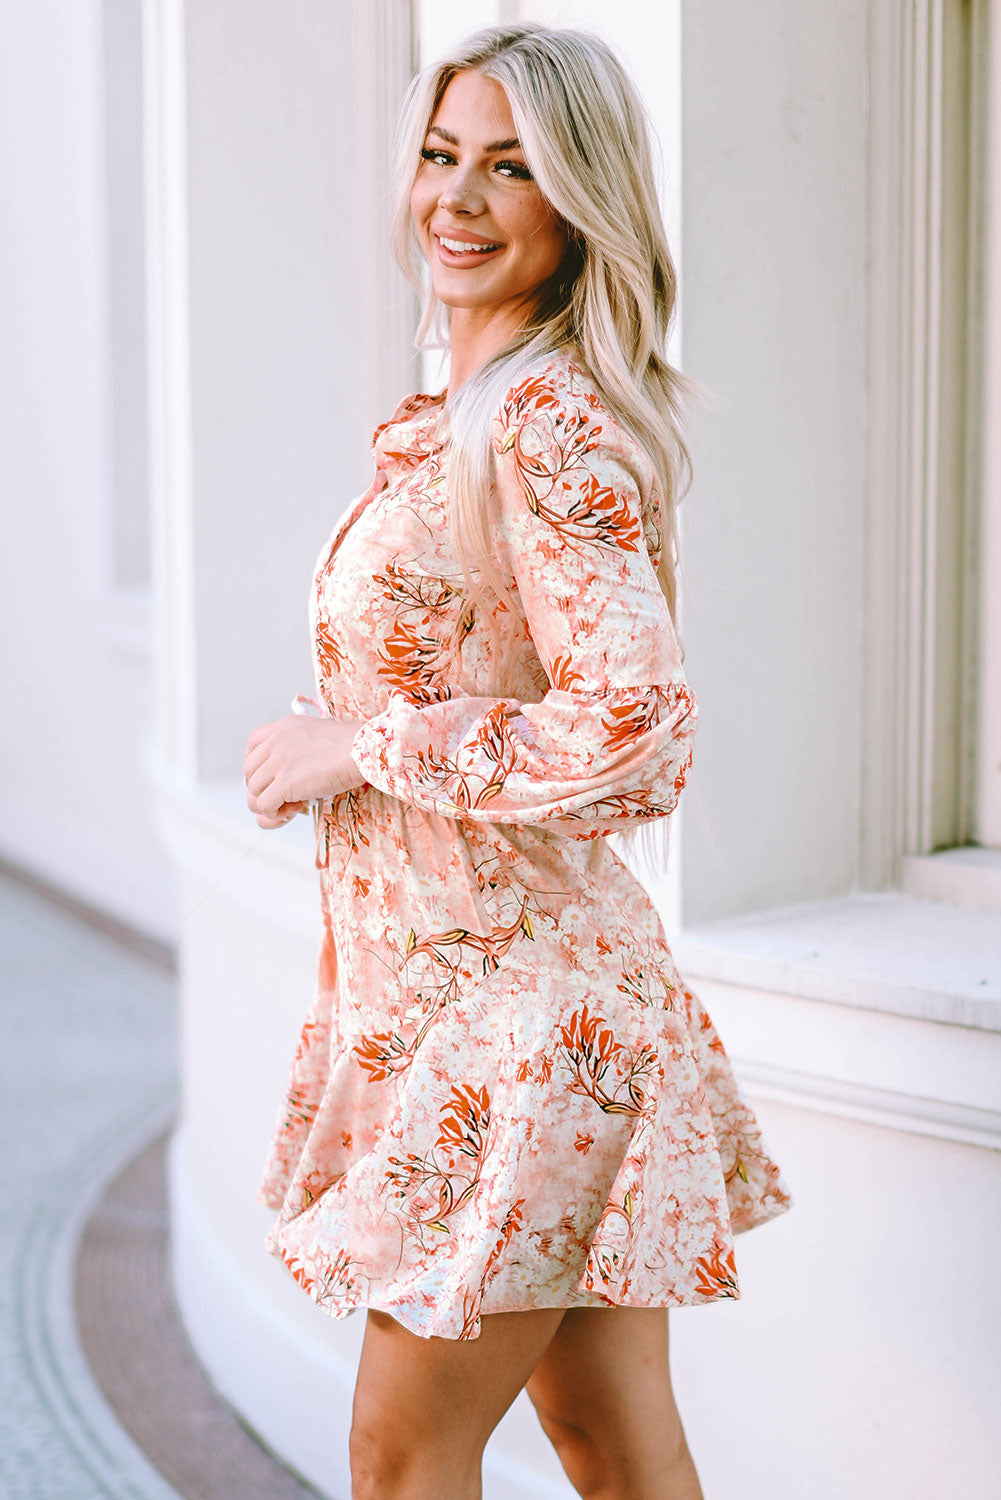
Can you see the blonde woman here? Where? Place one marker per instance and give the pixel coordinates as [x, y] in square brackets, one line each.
[511, 1131]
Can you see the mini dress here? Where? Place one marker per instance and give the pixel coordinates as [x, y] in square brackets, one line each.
[504, 1094]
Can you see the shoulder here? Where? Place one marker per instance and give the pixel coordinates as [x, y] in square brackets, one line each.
[556, 412]
[557, 401]
[567, 471]
[551, 385]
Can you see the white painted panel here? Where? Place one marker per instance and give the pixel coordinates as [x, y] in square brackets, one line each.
[445, 22]
[280, 443]
[647, 36]
[75, 805]
[858, 1310]
[774, 224]
[988, 788]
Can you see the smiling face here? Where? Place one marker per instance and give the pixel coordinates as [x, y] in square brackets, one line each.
[490, 236]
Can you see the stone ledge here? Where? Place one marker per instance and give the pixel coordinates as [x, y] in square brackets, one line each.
[880, 951]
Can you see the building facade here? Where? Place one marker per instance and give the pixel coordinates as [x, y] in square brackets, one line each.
[204, 326]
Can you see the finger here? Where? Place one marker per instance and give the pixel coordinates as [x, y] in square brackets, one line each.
[269, 817]
[266, 786]
[267, 809]
[285, 813]
[272, 799]
[256, 736]
[258, 783]
[256, 757]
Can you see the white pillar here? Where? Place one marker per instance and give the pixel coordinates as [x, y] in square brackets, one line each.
[774, 213]
[987, 828]
[277, 341]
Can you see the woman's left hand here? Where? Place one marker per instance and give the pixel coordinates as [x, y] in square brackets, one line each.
[295, 760]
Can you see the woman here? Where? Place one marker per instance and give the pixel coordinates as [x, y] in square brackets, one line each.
[511, 1132]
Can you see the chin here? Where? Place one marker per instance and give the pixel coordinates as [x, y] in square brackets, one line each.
[452, 298]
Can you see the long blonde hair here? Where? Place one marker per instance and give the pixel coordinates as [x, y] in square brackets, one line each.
[587, 140]
[586, 137]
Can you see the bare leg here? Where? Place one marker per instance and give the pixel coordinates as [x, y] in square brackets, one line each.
[602, 1390]
[424, 1408]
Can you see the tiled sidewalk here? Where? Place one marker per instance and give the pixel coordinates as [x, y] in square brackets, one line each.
[88, 1089]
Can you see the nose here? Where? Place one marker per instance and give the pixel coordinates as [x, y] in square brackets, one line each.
[462, 194]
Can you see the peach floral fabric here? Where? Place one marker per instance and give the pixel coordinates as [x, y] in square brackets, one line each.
[504, 1095]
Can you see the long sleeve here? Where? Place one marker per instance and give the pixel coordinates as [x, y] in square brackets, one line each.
[611, 740]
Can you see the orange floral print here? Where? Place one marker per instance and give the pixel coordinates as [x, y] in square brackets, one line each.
[718, 1273]
[432, 1187]
[504, 1095]
[591, 1050]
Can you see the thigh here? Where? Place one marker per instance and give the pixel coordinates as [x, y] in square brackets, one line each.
[606, 1376]
[447, 1393]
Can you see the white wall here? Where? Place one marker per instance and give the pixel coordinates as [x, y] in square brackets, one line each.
[858, 1306]
[279, 436]
[775, 297]
[861, 1358]
[75, 674]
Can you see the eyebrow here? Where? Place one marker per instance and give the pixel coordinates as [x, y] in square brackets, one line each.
[453, 140]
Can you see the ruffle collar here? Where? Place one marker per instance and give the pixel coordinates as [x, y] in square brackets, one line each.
[417, 428]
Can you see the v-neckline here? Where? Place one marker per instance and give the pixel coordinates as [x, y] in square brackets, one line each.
[430, 405]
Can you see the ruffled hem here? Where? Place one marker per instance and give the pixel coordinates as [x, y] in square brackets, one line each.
[428, 1319]
[633, 1203]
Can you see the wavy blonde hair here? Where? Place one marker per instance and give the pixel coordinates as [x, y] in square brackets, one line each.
[587, 139]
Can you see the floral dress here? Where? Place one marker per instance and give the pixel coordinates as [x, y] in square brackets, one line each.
[504, 1094]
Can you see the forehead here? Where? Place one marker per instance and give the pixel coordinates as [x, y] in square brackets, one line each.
[475, 109]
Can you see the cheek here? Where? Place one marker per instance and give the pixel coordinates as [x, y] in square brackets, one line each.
[542, 234]
[548, 244]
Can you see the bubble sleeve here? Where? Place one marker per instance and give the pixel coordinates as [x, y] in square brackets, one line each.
[611, 741]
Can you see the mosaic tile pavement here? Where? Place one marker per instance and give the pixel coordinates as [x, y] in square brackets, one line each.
[101, 1397]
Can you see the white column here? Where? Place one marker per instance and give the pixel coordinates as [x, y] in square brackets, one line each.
[987, 829]
[774, 214]
[277, 340]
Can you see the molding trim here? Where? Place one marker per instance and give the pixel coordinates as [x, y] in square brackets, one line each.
[924, 114]
[879, 1069]
[872, 1106]
[384, 57]
[169, 387]
[986, 819]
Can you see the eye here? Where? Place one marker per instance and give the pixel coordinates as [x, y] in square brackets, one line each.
[516, 169]
[437, 155]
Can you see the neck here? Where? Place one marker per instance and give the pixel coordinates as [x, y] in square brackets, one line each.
[476, 335]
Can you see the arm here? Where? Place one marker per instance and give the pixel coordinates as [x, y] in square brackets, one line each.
[611, 740]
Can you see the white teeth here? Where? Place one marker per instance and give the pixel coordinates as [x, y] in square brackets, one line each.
[458, 248]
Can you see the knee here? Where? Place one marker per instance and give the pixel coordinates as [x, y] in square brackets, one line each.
[377, 1466]
[387, 1462]
[605, 1464]
[579, 1452]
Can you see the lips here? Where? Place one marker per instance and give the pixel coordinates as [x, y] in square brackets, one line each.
[463, 236]
[464, 249]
